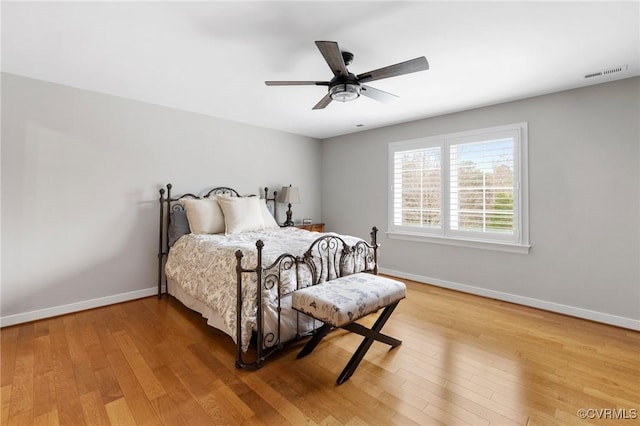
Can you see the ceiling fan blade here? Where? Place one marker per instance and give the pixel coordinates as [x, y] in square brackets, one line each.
[333, 56]
[296, 83]
[377, 94]
[407, 67]
[323, 102]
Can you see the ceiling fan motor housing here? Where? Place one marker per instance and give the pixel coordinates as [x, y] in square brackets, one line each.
[344, 89]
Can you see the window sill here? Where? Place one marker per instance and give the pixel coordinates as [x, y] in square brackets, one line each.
[485, 245]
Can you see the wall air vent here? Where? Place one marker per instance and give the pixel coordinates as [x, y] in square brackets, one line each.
[607, 71]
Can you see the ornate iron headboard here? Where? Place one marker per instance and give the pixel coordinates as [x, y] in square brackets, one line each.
[169, 204]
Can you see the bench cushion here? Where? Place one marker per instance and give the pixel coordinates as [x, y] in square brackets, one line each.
[346, 299]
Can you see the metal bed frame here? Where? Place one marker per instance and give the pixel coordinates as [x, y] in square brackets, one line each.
[328, 257]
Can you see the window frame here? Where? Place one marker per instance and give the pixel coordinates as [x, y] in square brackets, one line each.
[517, 243]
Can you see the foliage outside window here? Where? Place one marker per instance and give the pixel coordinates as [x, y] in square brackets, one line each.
[469, 186]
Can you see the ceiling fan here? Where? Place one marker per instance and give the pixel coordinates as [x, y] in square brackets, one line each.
[345, 86]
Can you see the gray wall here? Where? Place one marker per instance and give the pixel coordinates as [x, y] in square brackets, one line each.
[584, 185]
[80, 179]
[81, 170]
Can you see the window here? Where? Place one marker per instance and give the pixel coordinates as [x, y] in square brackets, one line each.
[465, 188]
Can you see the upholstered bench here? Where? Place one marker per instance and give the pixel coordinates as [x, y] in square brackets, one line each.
[339, 303]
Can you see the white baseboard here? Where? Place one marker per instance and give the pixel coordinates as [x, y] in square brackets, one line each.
[76, 307]
[573, 311]
[618, 321]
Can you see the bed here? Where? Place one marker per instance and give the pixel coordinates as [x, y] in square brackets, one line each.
[225, 257]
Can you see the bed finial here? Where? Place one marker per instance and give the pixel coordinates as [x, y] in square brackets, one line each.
[374, 236]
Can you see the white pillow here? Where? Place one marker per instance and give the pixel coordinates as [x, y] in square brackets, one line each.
[241, 214]
[204, 215]
[267, 217]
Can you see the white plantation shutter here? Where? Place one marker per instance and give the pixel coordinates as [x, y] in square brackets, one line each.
[417, 188]
[463, 186]
[481, 187]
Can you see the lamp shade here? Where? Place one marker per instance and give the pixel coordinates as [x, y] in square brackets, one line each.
[289, 195]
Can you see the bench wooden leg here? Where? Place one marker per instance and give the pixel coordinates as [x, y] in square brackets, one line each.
[368, 332]
[370, 336]
[311, 344]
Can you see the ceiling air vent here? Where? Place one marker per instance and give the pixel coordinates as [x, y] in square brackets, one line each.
[607, 71]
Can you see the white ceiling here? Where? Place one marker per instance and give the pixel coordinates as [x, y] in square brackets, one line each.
[213, 57]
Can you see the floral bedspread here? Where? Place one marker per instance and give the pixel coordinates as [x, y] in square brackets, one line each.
[205, 267]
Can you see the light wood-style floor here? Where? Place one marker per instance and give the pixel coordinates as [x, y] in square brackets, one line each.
[464, 360]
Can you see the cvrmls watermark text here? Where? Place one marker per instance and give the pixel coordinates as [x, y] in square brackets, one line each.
[608, 413]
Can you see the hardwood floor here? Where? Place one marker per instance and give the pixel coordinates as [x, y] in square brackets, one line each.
[464, 360]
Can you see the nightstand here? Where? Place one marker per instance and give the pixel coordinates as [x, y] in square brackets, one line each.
[313, 227]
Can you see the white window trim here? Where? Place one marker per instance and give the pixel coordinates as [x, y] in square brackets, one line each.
[462, 239]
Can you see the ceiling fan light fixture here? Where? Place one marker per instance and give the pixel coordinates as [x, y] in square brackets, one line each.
[346, 86]
[345, 92]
